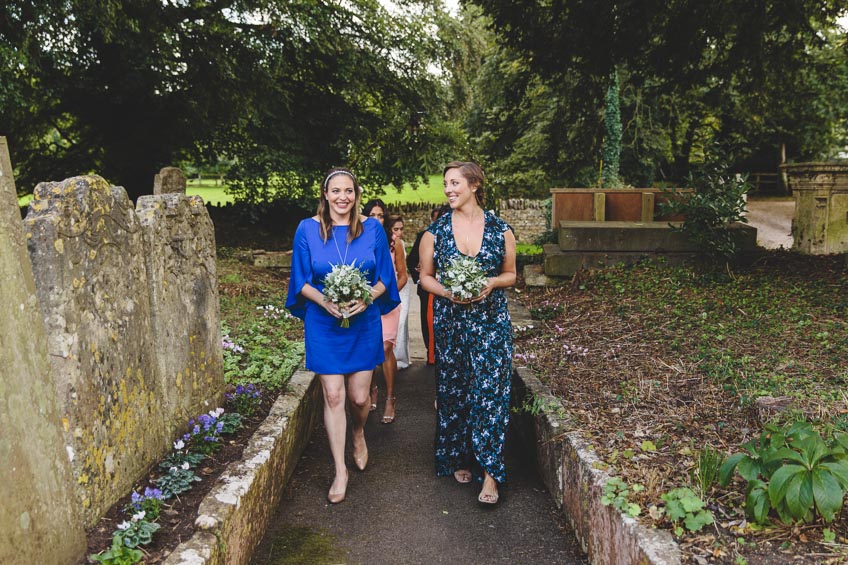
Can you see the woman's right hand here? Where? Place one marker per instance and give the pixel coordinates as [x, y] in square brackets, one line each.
[332, 309]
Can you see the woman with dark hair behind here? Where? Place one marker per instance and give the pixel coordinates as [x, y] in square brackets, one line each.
[390, 320]
[343, 357]
[473, 337]
[394, 232]
[424, 297]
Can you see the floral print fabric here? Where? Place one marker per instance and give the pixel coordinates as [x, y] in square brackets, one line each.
[473, 362]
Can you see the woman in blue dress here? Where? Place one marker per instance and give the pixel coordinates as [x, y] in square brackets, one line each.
[473, 337]
[338, 234]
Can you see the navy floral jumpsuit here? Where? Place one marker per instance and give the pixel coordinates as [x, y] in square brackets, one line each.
[473, 362]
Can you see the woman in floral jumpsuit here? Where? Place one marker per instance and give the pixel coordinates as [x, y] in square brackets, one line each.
[473, 337]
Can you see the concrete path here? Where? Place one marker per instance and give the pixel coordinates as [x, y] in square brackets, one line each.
[773, 219]
[397, 511]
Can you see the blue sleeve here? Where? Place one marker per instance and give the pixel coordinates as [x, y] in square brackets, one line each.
[301, 271]
[390, 299]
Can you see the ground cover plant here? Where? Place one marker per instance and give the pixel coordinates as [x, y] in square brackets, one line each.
[262, 348]
[679, 379]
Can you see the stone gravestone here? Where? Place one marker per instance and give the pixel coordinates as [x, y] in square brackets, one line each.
[169, 180]
[179, 251]
[85, 244]
[40, 521]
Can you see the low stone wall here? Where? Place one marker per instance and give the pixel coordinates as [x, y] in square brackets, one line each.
[571, 473]
[233, 517]
[527, 217]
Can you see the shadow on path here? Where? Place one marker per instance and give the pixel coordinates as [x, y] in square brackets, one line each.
[398, 511]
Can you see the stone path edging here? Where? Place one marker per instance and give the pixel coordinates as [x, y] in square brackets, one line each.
[572, 473]
[233, 517]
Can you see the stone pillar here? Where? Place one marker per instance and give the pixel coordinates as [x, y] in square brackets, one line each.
[820, 224]
[40, 520]
[86, 249]
[179, 253]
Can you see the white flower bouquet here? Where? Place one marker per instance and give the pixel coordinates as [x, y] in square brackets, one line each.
[345, 284]
[463, 277]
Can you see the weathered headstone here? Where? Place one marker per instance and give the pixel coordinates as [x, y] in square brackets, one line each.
[85, 244]
[40, 520]
[179, 251]
[169, 180]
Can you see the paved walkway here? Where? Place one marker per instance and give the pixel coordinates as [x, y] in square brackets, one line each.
[773, 219]
[397, 511]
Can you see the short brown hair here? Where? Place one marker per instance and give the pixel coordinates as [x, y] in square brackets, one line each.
[473, 174]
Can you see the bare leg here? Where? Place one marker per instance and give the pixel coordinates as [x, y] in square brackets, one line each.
[336, 423]
[373, 405]
[358, 385]
[389, 372]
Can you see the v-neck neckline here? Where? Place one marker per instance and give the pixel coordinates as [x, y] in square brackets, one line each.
[456, 244]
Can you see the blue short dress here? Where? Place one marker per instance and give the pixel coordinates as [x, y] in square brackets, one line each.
[330, 348]
[473, 361]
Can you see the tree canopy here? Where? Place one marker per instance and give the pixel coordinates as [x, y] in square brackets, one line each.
[124, 87]
[284, 90]
[745, 76]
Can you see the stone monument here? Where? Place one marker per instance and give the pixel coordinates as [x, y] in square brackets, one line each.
[40, 521]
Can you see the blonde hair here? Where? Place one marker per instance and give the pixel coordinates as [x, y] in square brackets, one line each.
[354, 221]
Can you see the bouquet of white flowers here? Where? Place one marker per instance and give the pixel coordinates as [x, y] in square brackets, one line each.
[464, 277]
[344, 284]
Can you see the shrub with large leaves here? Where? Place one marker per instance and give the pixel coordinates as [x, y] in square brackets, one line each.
[794, 471]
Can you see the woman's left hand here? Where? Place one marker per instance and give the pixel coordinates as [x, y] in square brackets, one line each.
[485, 291]
[355, 307]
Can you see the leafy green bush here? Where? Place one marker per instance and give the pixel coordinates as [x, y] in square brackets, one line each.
[794, 471]
[550, 235]
[718, 200]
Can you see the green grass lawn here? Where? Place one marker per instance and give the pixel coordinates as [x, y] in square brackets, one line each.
[216, 194]
[432, 192]
[207, 190]
[211, 194]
